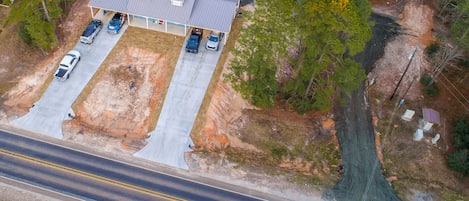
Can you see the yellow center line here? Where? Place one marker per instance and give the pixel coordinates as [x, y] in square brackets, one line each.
[90, 176]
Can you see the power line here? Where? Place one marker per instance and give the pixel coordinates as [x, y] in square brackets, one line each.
[449, 90]
[455, 88]
[403, 74]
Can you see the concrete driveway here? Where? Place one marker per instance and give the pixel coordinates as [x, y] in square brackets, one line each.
[171, 139]
[48, 114]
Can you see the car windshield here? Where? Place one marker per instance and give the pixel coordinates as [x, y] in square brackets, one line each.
[213, 38]
[192, 41]
[115, 20]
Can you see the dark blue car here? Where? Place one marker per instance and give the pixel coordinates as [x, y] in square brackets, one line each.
[116, 23]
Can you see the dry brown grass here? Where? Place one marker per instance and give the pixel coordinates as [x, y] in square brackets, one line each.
[3, 16]
[158, 42]
[201, 116]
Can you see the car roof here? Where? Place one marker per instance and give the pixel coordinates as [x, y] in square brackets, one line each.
[68, 59]
[89, 30]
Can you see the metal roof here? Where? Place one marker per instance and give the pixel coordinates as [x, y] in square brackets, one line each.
[431, 115]
[209, 14]
[161, 9]
[114, 5]
[213, 14]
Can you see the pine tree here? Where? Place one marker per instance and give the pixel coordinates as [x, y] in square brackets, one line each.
[326, 34]
[38, 20]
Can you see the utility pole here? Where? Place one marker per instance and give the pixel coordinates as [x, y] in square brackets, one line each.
[403, 74]
[407, 91]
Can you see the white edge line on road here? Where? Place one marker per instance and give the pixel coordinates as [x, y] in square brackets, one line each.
[123, 162]
[38, 187]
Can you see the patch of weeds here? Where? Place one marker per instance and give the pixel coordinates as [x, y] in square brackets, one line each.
[278, 152]
[297, 150]
[302, 179]
[450, 195]
[250, 158]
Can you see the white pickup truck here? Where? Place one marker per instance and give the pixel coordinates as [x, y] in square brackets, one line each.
[67, 65]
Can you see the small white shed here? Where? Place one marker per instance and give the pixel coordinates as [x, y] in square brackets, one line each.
[408, 115]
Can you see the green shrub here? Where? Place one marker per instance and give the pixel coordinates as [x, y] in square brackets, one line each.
[464, 63]
[432, 90]
[24, 34]
[459, 161]
[461, 134]
[425, 79]
[278, 152]
[432, 49]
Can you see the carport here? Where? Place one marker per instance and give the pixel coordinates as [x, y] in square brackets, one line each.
[173, 16]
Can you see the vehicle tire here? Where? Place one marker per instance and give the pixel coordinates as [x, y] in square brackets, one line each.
[68, 76]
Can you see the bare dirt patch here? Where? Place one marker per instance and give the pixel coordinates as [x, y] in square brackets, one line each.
[123, 100]
[416, 22]
[415, 169]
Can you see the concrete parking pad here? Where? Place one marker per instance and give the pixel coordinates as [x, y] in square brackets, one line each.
[171, 139]
[47, 114]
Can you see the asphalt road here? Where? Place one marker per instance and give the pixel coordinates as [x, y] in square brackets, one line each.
[91, 177]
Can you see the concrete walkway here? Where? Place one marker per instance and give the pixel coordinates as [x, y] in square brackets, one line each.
[171, 139]
[48, 114]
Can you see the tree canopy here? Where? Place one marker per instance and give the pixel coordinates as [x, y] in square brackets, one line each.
[301, 50]
[37, 20]
[459, 160]
[460, 26]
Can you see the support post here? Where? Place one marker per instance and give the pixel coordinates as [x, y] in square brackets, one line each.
[403, 74]
[225, 38]
[146, 19]
[92, 13]
[128, 18]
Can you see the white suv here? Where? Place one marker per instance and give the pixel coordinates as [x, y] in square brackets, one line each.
[213, 41]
